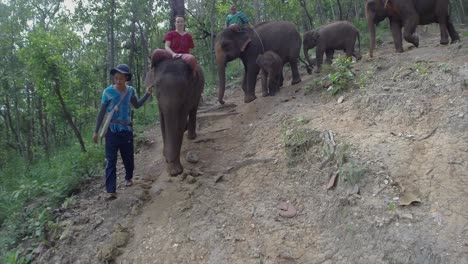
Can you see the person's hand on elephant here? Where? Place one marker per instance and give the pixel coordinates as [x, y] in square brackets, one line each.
[176, 55]
[149, 90]
[95, 137]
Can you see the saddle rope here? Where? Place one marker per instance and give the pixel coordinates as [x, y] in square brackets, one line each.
[261, 42]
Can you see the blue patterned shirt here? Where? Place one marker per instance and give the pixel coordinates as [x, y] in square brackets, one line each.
[111, 97]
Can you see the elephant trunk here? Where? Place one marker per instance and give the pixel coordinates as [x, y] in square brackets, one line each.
[306, 55]
[222, 79]
[173, 132]
[371, 24]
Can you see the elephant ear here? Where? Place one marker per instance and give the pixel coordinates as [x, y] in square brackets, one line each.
[315, 35]
[150, 79]
[391, 8]
[244, 40]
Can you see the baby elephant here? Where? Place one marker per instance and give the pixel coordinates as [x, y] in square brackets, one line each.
[272, 68]
[340, 35]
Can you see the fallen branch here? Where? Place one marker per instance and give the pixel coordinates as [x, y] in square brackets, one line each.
[246, 163]
[429, 135]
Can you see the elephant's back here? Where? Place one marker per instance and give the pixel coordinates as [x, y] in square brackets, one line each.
[282, 37]
[340, 27]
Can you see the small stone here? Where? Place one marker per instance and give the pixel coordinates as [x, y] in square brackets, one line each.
[341, 99]
[195, 172]
[406, 216]
[355, 190]
[386, 182]
[192, 157]
[219, 178]
[191, 179]
[461, 115]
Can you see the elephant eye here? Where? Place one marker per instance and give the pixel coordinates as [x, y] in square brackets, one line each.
[225, 45]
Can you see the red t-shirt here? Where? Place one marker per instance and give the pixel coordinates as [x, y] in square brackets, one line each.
[179, 43]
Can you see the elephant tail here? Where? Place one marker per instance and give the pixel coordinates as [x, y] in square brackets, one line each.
[359, 41]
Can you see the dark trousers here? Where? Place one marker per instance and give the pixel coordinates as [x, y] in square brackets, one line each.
[122, 141]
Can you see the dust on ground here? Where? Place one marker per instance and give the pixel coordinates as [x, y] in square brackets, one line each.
[381, 177]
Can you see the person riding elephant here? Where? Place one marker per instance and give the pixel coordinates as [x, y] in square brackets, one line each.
[408, 14]
[340, 35]
[179, 84]
[247, 44]
[272, 70]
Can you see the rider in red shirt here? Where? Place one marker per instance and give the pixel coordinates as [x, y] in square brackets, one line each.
[179, 41]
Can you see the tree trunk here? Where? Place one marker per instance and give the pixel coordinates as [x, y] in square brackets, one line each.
[111, 39]
[257, 12]
[304, 10]
[131, 54]
[340, 11]
[144, 46]
[462, 12]
[67, 114]
[333, 13]
[43, 127]
[320, 11]
[177, 9]
[212, 39]
[29, 124]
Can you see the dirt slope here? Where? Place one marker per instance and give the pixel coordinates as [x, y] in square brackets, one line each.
[407, 130]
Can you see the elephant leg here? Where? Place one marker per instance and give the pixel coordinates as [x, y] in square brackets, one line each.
[163, 130]
[356, 54]
[192, 123]
[244, 80]
[296, 78]
[276, 82]
[252, 73]
[264, 77]
[452, 32]
[319, 57]
[395, 27]
[444, 37]
[173, 132]
[281, 79]
[330, 54]
[349, 52]
[409, 32]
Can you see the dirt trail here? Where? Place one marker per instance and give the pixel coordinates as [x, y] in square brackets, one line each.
[408, 129]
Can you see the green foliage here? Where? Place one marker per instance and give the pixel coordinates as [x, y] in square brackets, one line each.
[366, 77]
[349, 171]
[298, 140]
[39, 188]
[465, 33]
[146, 115]
[342, 76]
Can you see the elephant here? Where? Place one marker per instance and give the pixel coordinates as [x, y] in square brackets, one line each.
[281, 37]
[340, 35]
[178, 84]
[271, 69]
[408, 14]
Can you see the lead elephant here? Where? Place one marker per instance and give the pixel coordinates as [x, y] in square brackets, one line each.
[409, 14]
[281, 37]
[340, 35]
[271, 71]
[179, 84]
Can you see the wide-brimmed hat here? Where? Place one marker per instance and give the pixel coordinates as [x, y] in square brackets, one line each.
[124, 69]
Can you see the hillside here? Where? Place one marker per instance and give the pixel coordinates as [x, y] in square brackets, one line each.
[262, 190]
